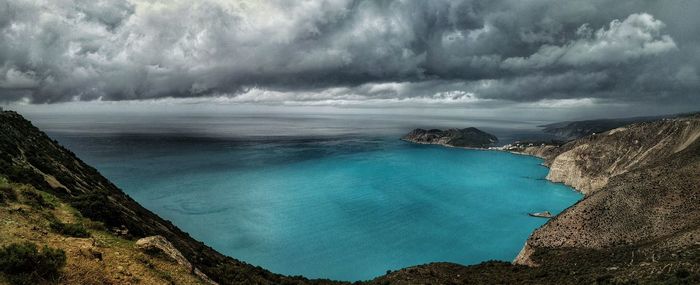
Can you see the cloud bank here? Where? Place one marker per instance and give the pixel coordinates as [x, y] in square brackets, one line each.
[348, 52]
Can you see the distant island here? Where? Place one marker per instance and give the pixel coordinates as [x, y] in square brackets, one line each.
[467, 137]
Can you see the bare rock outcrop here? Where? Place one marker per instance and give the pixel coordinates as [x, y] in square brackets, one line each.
[159, 245]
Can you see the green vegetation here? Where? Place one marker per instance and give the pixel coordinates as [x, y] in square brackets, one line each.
[36, 199]
[25, 175]
[468, 137]
[72, 230]
[23, 263]
[97, 207]
[7, 193]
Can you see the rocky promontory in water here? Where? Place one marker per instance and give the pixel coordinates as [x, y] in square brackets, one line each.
[467, 137]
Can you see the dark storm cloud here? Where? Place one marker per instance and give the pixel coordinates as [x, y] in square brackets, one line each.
[511, 50]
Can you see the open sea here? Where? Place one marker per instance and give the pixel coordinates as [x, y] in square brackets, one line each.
[321, 197]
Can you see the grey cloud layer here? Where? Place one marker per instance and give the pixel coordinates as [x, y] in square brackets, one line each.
[62, 50]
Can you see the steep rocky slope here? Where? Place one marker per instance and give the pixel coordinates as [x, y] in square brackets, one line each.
[467, 137]
[29, 156]
[642, 186]
[588, 163]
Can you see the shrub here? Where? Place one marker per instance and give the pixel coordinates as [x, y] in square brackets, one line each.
[26, 175]
[7, 194]
[682, 273]
[23, 263]
[94, 225]
[37, 200]
[73, 230]
[96, 207]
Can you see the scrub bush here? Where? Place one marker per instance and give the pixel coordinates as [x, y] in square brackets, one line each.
[7, 194]
[23, 263]
[35, 199]
[72, 230]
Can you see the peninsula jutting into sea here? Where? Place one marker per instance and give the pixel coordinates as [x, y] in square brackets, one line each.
[349, 142]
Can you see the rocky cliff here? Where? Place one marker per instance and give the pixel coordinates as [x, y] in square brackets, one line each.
[642, 186]
[468, 137]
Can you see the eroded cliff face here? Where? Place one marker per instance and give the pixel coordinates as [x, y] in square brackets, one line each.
[641, 186]
[587, 164]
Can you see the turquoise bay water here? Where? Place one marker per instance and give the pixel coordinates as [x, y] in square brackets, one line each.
[339, 207]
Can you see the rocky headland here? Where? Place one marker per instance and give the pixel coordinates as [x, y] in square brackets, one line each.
[467, 137]
[641, 184]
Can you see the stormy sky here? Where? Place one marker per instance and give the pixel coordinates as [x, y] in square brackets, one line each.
[641, 55]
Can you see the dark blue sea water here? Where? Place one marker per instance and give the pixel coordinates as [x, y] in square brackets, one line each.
[324, 196]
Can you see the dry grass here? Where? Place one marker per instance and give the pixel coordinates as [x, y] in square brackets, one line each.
[102, 258]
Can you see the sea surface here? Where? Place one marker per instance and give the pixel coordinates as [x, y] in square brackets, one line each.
[346, 205]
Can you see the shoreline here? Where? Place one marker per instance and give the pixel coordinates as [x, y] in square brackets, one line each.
[473, 148]
[522, 257]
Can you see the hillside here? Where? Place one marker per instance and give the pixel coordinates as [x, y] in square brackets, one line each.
[642, 186]
[578, 129]
[467, 137]
[93, 254]
[572, 130]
